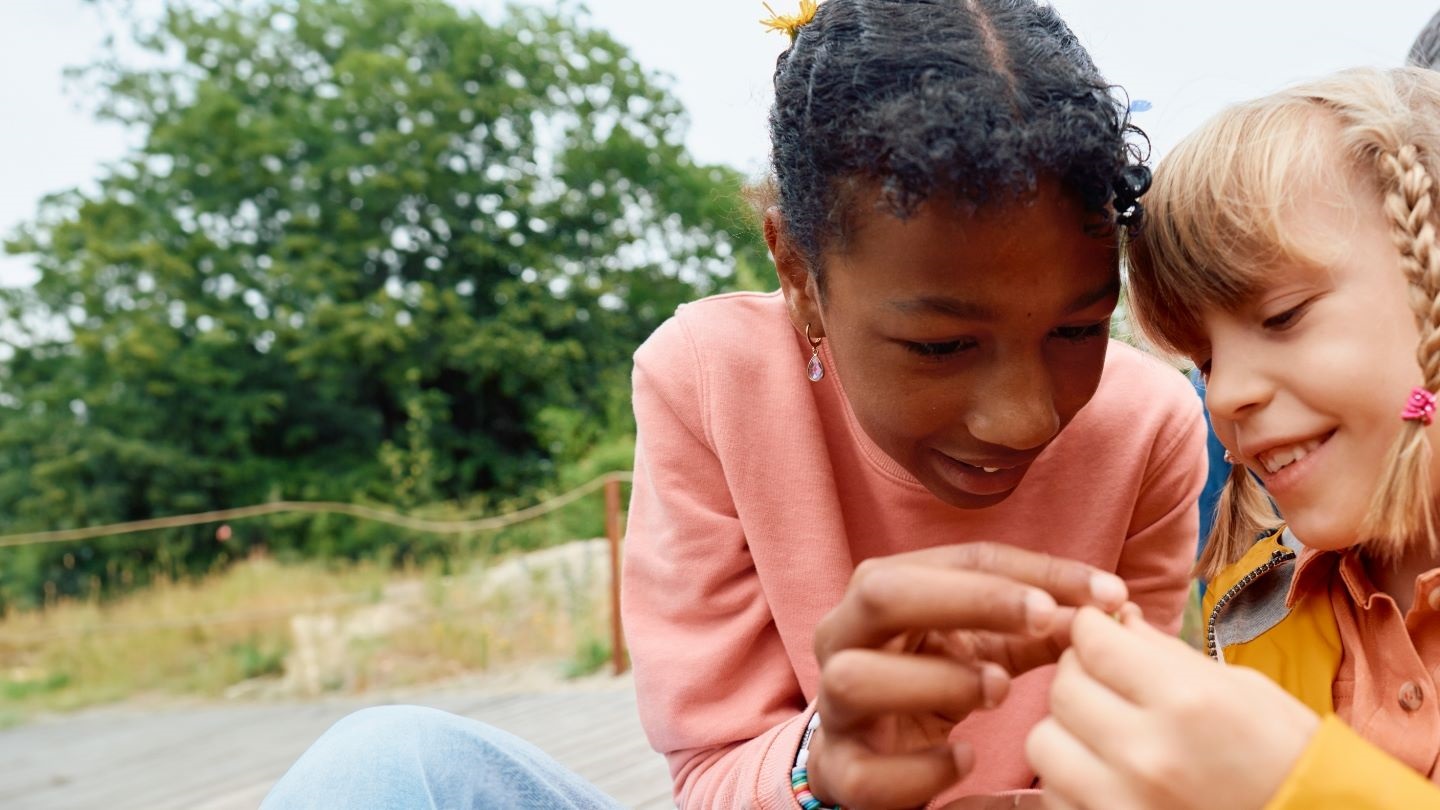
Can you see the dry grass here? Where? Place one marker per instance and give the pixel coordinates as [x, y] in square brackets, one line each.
[234, 632]
[203, 638]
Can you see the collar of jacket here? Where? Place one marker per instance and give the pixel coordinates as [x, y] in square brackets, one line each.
[1248, 597]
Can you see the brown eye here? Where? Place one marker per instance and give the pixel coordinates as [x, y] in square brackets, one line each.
[942, 349]
[1080, 334]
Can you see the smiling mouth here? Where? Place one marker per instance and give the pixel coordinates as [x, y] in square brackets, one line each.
[986, 477]
[1276, 459]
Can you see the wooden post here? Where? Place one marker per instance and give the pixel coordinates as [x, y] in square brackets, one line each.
[612, 532]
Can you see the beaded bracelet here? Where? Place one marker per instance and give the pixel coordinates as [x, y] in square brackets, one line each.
[800, 777]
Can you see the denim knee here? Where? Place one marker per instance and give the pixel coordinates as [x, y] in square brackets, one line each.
[412, 756]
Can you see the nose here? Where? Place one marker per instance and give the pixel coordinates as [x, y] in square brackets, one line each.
[1237, 384]
[1016, 407]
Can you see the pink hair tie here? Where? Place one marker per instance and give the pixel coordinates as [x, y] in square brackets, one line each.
[1420, 407]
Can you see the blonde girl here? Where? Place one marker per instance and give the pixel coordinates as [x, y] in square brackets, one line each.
[1291, 253]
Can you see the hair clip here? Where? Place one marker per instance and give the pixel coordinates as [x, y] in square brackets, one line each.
[790, 23]
[1130, 185]
[1134, 181]
[1131, 215]
[1420, 407]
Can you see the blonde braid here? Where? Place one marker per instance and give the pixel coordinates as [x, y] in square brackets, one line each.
[1243, 514]
[1401, 508]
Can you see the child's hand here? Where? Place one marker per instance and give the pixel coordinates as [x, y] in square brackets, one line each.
[918, 642]
[1140, 720]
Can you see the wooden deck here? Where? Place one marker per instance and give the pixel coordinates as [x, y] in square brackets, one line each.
[224, 756]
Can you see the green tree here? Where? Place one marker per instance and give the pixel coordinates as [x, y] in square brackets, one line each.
[369, 249]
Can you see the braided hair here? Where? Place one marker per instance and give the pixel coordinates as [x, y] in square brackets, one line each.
[1403, 505]
[970, 100]
[1216, 223]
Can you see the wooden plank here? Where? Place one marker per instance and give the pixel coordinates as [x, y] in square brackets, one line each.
[226, 756]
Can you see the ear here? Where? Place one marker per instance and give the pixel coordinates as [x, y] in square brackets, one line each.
[802, 294]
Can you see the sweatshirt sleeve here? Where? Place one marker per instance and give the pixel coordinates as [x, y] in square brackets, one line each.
[716, 691]
[1164, 530]
[1339, 768]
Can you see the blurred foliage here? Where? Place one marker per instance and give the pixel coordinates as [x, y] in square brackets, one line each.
[369, 250]
[591, 654]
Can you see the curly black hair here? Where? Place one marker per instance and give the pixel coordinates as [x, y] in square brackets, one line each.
[976, 99]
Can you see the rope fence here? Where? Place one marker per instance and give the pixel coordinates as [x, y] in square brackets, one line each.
[610, 482]
[391, 517]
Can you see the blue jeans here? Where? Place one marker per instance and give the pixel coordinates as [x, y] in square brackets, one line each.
[413, 757]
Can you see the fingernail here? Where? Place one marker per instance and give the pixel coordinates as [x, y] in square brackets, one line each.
[994, 685]
[964, 755]
[1108, 589]
[1130, 612]
[1039, 612]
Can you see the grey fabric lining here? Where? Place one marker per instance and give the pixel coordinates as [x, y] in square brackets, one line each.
[1258, 607]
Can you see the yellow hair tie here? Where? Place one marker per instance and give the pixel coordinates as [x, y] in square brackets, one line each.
[790, 23]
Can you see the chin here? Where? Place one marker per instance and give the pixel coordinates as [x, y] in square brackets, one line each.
[1325, 535]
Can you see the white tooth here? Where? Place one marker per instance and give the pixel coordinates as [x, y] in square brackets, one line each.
[1277, 460]
[1282, 459]
[1272, 461]
[991, 469]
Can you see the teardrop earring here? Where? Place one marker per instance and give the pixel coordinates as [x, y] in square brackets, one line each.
[814, 370]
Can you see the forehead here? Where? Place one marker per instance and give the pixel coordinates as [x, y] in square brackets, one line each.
[1013, 256]
[1230, 221]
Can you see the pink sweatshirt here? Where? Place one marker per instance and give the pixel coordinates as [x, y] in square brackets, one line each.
[757, 493]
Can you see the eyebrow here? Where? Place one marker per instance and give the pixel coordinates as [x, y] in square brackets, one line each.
[973, 311]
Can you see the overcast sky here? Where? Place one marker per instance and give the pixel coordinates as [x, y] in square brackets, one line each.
[1187, 58]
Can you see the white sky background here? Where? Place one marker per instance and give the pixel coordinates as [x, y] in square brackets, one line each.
[1188, 58]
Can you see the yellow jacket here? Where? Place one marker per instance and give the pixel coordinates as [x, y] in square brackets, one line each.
[1298, 646]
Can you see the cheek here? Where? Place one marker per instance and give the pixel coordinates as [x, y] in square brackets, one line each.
[1076, 372]
[1378, 344]
[893, 405]
[895, 419]
[1370, 375]
[1224, 430]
